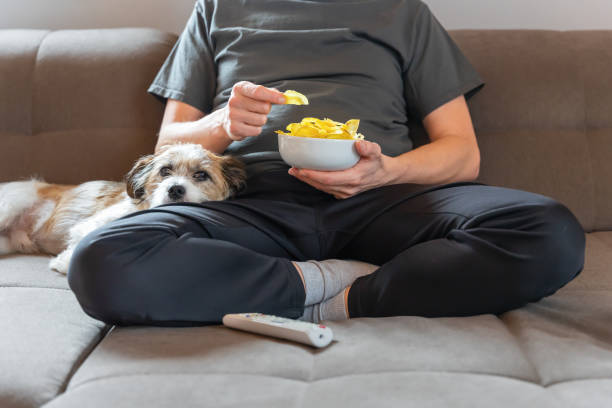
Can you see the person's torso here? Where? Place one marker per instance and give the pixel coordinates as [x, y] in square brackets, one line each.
[347, 57]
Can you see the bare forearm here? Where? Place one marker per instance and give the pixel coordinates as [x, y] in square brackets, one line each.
[207, 131]
[244, 115]
[446, 160]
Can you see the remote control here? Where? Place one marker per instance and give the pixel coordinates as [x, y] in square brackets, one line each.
[312, 334]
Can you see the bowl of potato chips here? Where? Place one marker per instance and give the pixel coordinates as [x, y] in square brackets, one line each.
[320, 144]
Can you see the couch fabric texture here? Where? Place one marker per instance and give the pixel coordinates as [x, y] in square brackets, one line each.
[74, 107]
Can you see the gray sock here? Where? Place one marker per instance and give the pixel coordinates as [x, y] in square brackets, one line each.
[325, 279]
[332, 309]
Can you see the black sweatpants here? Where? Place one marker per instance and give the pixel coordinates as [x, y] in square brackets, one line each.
[454, 250]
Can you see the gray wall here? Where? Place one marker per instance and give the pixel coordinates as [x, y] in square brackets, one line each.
[538, 14]
[170, 15]
[167, 15]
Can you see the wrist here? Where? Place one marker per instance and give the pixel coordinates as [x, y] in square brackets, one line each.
[216, 123]
[392, 170]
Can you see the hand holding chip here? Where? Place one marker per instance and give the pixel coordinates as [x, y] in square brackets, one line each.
[373, 170]
[247, 109]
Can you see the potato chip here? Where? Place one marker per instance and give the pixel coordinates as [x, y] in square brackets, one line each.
[295, 98]
[324, 129]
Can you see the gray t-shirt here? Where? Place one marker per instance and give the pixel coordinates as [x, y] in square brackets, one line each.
[381, 61]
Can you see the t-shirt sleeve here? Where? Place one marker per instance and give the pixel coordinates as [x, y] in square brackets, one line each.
[437, 71]
[189, 74]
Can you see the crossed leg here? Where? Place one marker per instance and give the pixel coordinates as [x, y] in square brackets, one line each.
[459, 250]
[450, 251]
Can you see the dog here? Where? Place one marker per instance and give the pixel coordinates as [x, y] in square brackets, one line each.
[38, 217]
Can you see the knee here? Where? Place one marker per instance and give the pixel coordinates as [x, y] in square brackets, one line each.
[104, 269]
[88, 273]
[562, 250]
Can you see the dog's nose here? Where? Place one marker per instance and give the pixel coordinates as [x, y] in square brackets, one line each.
[175, 192]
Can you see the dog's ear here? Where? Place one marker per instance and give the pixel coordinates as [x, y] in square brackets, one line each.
[234, 173]
[137, 177]
[165, 147]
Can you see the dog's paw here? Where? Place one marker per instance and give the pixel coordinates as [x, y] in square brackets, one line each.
[61, 262]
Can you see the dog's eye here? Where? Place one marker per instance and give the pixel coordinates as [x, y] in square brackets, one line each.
[201, 175]
[165, 171]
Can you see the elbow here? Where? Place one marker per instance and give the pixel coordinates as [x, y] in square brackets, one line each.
[471, 170]
[162, 140]
[159, 145]
[475, 170]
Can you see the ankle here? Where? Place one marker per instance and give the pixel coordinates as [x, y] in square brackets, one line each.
[346, 308]
[299, 271]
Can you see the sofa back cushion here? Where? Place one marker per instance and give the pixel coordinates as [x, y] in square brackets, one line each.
[544, 119]
[74, 105]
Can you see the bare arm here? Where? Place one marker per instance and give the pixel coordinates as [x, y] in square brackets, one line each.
[243, 116]
[452, 155]
[184, 123]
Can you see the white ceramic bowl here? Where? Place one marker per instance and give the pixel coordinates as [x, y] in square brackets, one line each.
[317, 154]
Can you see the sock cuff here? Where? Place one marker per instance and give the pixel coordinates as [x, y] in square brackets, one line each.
[334, 308]
[313, 282]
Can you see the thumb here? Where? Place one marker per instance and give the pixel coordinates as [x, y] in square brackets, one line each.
[367, 149]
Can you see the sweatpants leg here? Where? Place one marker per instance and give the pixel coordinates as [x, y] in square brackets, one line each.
[453, 250]
[189, 264]
[456, 250]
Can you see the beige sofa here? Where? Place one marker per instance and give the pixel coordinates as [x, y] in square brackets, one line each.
[73, 107]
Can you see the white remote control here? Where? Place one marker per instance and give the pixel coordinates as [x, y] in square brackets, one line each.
[312, 334]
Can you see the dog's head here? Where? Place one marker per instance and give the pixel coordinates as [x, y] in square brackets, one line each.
[184, 173]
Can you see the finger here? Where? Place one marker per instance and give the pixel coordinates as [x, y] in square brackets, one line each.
[240, 131]
[239, 101]
[338, 192]
[329, 178]
[315, 184]
[342, 196]
[259, 92]
[321, 177]
[248, 118]
[368, 149]
[342, 190]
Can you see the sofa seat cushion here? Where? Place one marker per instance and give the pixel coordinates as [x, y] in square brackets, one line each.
[29, 271]
[395, 389]
[44, 337]
[44, 334]
[555, 352]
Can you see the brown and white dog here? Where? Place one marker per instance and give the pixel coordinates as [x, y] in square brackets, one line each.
[37, 217]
